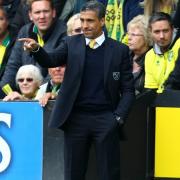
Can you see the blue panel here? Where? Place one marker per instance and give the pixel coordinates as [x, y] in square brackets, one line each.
[21, 141]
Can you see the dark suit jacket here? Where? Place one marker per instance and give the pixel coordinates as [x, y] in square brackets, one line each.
[118, 79]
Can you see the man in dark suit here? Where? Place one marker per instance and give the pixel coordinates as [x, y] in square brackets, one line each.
[95, 97]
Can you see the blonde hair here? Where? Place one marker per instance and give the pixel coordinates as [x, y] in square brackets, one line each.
[70, 23]
[141, 23]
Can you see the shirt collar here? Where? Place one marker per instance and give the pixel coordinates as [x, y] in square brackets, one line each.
[6, 41]
[99, 40]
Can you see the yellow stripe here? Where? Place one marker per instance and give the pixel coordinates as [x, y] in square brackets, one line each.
[7, 89]
[2, 52]
[40, 40]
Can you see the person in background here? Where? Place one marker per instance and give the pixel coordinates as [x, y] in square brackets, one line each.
[96, 94]
[139, 43]
[10, 6]
[21, 17]
[46, 29]
[152, 6]
[8, 36]
[118, 14]
[74, 25]
[50, 89]
[72, 7]
[176, 17]
[173, 81]
[28, 80]
[161, 59]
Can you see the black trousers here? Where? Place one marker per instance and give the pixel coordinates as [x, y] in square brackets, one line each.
[83, 129]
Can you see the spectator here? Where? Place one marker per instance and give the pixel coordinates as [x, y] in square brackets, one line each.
[160, 61]
[50, 89]
[173, 81]
[74, 25]
[139, 43]
[118, 16]
[21, 17]
[7, 39]
[28, 80]
[10, 7]
[72, 7]
[152, 6]
[177, 16]
[45, 29]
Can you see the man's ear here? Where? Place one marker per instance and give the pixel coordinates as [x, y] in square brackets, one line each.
[30, 16]
[54, 13]
[102, 22]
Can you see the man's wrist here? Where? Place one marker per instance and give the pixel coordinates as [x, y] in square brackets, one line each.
[36, 49]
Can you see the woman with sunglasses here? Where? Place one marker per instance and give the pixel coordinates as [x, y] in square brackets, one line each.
[28, 80]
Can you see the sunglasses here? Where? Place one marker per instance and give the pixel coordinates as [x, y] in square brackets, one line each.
[78, 30]
[20, 80]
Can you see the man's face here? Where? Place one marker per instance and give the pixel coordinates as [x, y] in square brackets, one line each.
[162, 33]
[42, 15]
[3, 24]
[57, 74]
[91, 24]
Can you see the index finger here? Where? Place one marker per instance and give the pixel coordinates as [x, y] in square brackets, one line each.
[25, 39]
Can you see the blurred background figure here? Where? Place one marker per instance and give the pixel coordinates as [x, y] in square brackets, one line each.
[8, 36]
[21, 17]
[118, 14]
[10, 6]
[152, 6]
[50, 89]
[176, 20]
[28, 80]
[139, 43]
[74, 25]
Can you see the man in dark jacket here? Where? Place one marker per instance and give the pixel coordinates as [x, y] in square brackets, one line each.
[45, 29]
[21, 17]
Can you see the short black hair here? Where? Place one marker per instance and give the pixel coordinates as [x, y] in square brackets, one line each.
[96, 6]
[160, 16]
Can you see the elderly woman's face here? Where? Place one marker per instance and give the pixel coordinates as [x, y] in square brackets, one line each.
[136, 40]
[27, 85]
